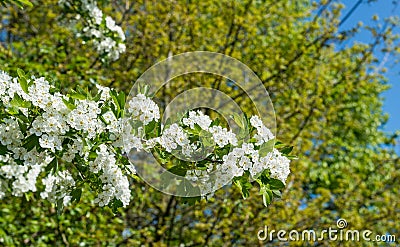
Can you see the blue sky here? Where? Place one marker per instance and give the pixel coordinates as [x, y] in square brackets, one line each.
[364, 13]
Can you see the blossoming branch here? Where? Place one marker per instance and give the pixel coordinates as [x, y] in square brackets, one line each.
[58, 145]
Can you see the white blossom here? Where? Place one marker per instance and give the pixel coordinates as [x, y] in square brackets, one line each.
[222, 136]
[197, 117]
[143, 108]
[263, 133]
[57, 187]
[90, 133]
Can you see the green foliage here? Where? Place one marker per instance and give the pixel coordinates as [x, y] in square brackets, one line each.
[328, 107]
[19, 3]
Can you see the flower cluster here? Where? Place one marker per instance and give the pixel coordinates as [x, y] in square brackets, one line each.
[58, 187]
[252, 159]
[42, 130]
[197, 117]
[106, 35]
[222, 136]
[85, 117]
[60, 144]
[263, 133]
[143, 109]
[249, 157]
[173, 137]
[115, 184]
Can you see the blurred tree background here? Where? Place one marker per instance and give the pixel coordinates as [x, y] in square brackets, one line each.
[326, 96]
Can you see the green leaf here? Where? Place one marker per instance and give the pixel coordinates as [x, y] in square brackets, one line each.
[22, 126]
[52, 166]
[23, 118]
[60, 206]
[263, 177]
[279, 144]
[158, 129]
[17, 101]
[69, 104]
[25, 2]
[206, 138]
[75, 95]
[201, 166]
[83, 92]
[221, 152]
[197, 129]
[239, 120]
[31, 142]
[286, 150]
[12, 111]
[216, 122]
[145, 90]
[19, 3]
[266, 194]
[76, 195]
[3, 149]
[244, 185]
[266, 147]
[114, 96]
[121, 100]
[178, 170]
[27, 197]
[167, 123]
[276, 184]
[207, 141]
[22, 80]
[97, 97]
[115, 205]
[150, 127]
[292, 157]
[20, 73]
[92, 155]
[277, 193]
[266, 199]
[190, 200]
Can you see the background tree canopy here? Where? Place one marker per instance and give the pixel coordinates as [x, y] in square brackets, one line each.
[326, 96]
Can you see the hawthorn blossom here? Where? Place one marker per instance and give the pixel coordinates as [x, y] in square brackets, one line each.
[197, 117]
[263, 133]
[143, 109]
[56, 132]
[222, 136]
[57, 187]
